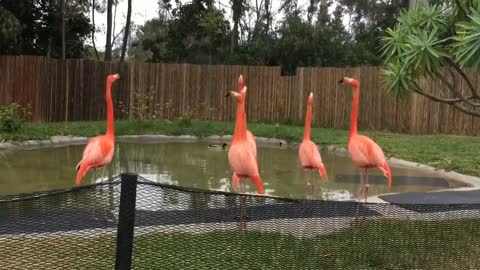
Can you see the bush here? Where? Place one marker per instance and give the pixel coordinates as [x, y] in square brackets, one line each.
[9, 118]
[186, 119]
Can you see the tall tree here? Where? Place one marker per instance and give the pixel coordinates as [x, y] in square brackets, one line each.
[93, 30]
[10, 31]
[126, 33]
[41, 27]
[62, 10]
[108, 45]
[237, 12]
[311, 10]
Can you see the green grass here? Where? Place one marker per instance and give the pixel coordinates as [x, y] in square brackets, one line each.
[457, 153]
[382, 244]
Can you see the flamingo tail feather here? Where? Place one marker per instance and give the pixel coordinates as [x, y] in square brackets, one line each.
[387, 172]
[257, 182]
[323, 173]
[81, 171]
[78, 165]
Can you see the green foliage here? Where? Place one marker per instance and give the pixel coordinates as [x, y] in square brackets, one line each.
[466, 46]
[9, 118]
[186, 119]
[192, 32]
[425, 39]
[10, 29]
[38, 30]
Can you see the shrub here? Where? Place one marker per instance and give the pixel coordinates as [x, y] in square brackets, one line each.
[10, 120]
[186, 119]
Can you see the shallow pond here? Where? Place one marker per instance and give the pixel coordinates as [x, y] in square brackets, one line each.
[195, 165]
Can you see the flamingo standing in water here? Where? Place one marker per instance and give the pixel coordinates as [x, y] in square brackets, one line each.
[99, 150]
[250, 137]
[364, 152]
[308, 153]
[241, 156]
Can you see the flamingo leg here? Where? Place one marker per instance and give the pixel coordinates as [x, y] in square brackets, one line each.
[243, 199]
[94, 177]
[366, 185]
[308, 187]
[359, 196]
[313, 184]
[105, 216]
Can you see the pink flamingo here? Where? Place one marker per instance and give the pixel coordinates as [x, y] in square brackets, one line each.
[241, 156]
[364, 152]
[99, 150]
[250, 137]
[308, 153]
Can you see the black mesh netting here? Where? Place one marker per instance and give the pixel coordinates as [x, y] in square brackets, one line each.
[181, 228]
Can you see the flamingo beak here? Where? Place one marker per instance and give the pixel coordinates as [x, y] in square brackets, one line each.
[116, 76]
[232, 93]
[341, 81]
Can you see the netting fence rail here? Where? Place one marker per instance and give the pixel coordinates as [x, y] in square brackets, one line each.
[132, 223]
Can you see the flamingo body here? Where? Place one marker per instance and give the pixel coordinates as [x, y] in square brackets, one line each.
[97, 154]
[242, 160]
[365, 154]
[310, 158]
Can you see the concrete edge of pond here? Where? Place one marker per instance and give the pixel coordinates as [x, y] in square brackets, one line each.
[58, 141]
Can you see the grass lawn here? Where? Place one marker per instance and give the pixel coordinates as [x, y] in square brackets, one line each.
[382, 244]
[457, 153]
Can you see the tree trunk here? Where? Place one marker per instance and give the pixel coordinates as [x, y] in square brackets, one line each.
[312, 8]
[413, 3]
[127, 31]
[323, 16]
[237, 7]
[93, 31]
[268, 16]
[62, 7]
[108, 45]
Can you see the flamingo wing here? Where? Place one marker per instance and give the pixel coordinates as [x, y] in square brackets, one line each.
[310, 158]
[309, 154]
[98, 153]
[242, 160]
[365, 152]
[92, 152]
[252, 143]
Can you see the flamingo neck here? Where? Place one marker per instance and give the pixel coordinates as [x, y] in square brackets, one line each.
[240, 131]
[308, 123]
[354, 113]
[110, 124]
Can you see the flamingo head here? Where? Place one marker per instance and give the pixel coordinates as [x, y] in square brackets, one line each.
[310, 99]
[240, 83]
[239, 96]
[352, 82]
[112, 78]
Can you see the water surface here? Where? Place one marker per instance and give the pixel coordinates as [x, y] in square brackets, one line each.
[194, 165]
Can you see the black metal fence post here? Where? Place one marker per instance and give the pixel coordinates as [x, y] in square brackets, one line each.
[126, 222]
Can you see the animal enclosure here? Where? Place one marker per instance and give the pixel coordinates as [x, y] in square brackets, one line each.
[73, 90]
[157, 226]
